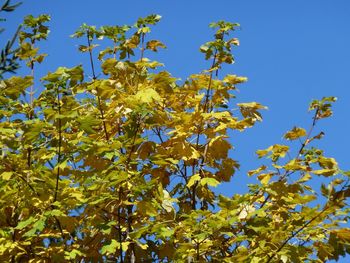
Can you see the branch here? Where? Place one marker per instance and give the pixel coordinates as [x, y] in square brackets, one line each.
[303, 145]
[205, 108]
[59, 143]
[296, 233]
[94, 78]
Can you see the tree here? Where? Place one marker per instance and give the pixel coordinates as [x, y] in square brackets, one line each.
[8, 61]
[123, 167]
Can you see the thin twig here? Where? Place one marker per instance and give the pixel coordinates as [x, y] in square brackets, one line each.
[94, 78]
[59, 143]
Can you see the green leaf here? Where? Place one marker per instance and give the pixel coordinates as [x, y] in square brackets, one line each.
[27, 51]
[88, 123]
[25, 223]
[147, 95]
[209, 181]
[15, 86]
[32, 131]
[72, 254]
[194, 178]
[110, 247]
[6, 175]
[146, 208]
[37, 227]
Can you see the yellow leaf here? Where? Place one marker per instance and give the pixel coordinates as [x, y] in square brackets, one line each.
[251, 110]
[234, 79]
[265, 178]
[329, 163]
[256, 171]
[325, 172]
[125, 245]
[295, 165]
[263, 153]
[146, 149]
[295, 133]
[305, 178]
[6, 175]
[209, 181]
[219, 147]
[343, 234]
[245, 211]
[154, 45]
[146, 208]
[143, 246]
[185, 151]
[194, 178]
[227, 169]
[147, 95]
[167, 205]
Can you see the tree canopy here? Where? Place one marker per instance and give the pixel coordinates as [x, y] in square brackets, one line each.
[122, 165]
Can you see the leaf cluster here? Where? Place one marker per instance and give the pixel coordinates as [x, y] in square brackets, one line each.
[118, 161]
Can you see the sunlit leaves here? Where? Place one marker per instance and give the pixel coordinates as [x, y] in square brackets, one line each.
[15, 86]
[323, 107]
[34, 29]
[69, 255]
[110, 248]
[147, 95]
[88, 123]
[277, 151]
[295, 133]
[251, 110]
[234, 79]
[89, 31]
[220, 49]
[194, 178]
[62, 74]
[32, 131]
[148, 20]
[154, 45]
[124, 166]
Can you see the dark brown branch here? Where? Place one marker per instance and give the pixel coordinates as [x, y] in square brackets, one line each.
[90, 55]
[303, 145]
[120, 226]
[94, 78]
[296, 233]
[142, 45]
[59, 143]
[205, 108]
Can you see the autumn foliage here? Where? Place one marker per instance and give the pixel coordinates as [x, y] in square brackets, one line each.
[118, 161]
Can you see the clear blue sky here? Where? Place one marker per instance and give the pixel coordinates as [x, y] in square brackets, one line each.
[291, 52]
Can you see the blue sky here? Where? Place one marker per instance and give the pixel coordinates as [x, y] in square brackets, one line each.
[291, 52]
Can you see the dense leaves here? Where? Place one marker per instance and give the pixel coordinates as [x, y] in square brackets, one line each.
[122, 165]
